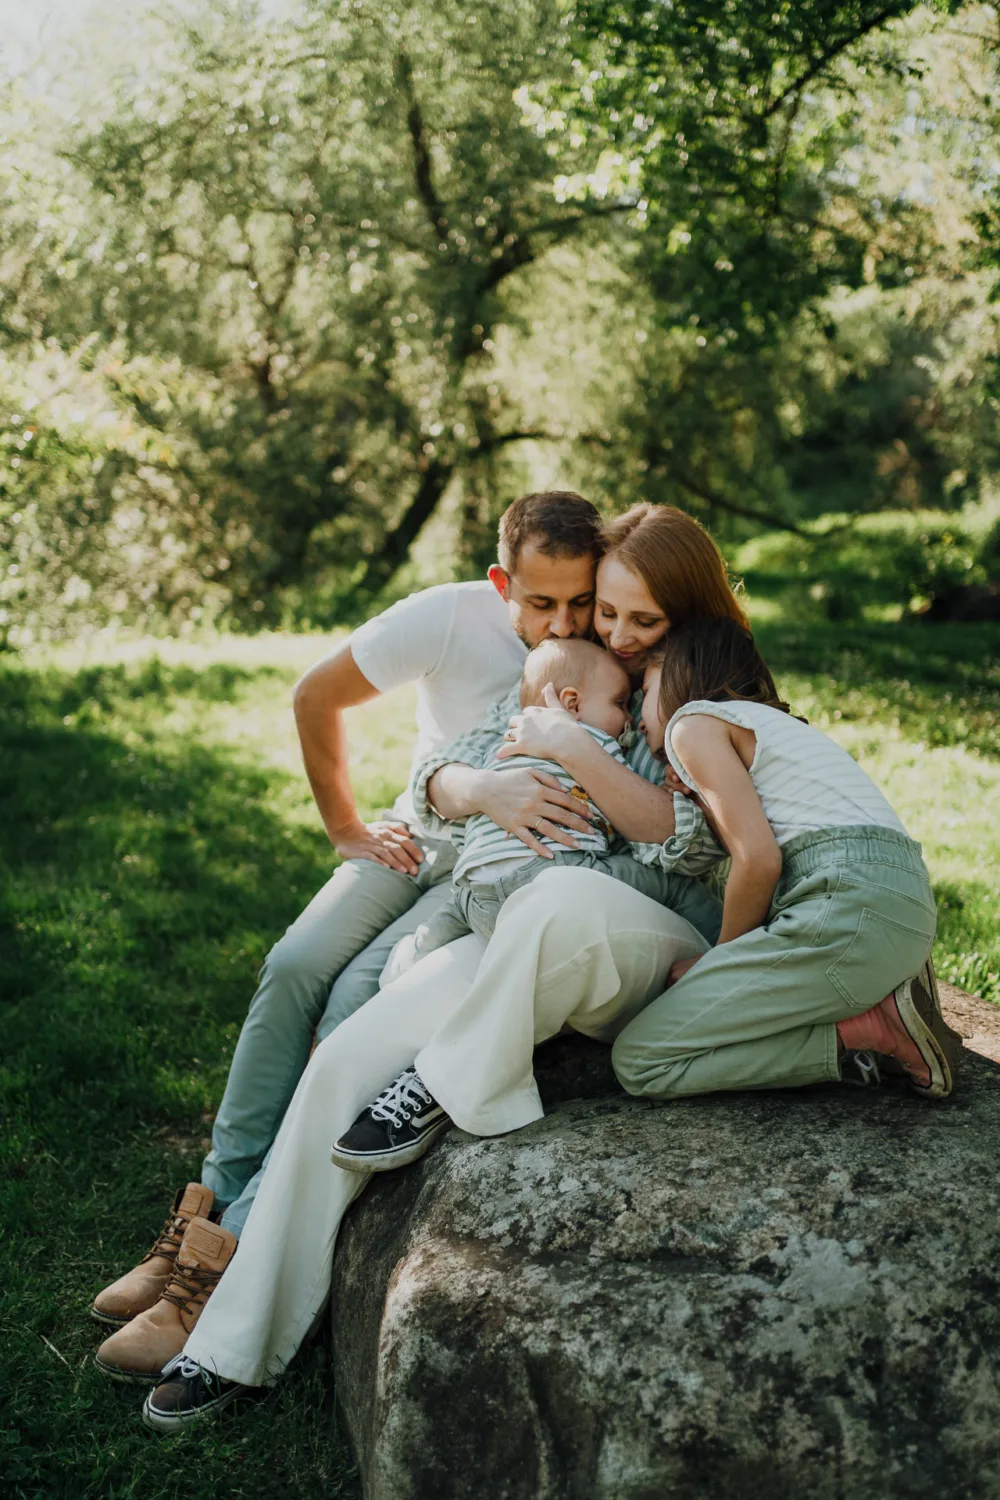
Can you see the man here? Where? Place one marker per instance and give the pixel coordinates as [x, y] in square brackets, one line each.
[464, 646]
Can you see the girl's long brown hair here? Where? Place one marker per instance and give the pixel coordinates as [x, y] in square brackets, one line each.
[677, 560]
[713, 660]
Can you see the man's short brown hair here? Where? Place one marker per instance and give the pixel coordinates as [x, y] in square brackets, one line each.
[558, 522]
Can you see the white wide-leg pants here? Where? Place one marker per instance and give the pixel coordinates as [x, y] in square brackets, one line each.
[574, 947]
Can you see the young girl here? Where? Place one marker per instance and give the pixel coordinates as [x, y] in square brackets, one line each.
[828, 908]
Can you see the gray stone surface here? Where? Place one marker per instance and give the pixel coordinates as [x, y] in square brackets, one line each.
[761, 1295]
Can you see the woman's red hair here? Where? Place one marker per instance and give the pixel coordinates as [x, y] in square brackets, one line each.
[677, 560]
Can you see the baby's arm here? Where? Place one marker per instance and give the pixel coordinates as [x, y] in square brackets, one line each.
[704, 746]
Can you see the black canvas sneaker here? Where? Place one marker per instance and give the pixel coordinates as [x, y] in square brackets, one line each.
[189, 1393]
[399, 1127]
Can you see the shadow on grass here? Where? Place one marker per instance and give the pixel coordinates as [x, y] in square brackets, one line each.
[941, 683]
[139, 892]
[57, 693]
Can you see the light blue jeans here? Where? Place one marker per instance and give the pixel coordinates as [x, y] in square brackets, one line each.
[325, 967]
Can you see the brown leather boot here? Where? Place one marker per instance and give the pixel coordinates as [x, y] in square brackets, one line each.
[139, 1350]
[141, 1287]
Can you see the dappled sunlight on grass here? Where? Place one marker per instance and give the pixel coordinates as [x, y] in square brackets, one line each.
[159, 835]
[145, 868]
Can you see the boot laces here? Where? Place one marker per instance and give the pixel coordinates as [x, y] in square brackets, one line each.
[402, 1099]
[188, 1285]
[168, 1241]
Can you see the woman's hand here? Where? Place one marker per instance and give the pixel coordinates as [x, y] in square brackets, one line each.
[679, 969]
[542, 732]
[529, 803]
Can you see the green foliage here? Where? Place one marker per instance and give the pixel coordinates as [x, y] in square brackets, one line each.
[296, 243]
[885, 566]
[295, 302]
[740, 116]
[144, 874]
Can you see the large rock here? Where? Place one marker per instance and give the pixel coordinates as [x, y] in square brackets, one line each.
[746, 1296]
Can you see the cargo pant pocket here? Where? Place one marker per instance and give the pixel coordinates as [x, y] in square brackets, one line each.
[882, 953]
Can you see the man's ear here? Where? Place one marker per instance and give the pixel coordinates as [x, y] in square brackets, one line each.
[569, 697]
[500, 580]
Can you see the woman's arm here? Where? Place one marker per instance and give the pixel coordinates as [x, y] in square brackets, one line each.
[705, 747]
[636, 809]
[452, 784]
[523, 802]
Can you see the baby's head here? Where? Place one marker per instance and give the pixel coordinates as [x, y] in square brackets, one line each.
[704, 660]
[590, 684]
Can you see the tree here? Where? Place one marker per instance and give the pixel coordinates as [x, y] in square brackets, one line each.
[304, 237]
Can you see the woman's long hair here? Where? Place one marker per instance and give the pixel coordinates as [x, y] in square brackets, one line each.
[677, 560]
[715, 661]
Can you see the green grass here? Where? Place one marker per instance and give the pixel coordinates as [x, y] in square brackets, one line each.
[158, 835]
[152, 847]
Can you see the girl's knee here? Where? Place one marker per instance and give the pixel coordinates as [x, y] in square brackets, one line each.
[642, 1070]
[624, 1061]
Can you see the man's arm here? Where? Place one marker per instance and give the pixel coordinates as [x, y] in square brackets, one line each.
[320, 698]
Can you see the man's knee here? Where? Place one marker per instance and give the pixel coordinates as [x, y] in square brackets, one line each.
[290, 976]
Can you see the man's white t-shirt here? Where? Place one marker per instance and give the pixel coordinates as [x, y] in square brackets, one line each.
[456, 643]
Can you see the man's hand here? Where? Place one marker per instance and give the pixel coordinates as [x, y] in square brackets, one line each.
[528, 803]
[679, 969]
[389, 844]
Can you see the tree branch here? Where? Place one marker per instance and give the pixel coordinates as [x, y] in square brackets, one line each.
[421, 151]
[501, 439]
[395, 547]
[523, 252]
[747, 512]
[834, 49]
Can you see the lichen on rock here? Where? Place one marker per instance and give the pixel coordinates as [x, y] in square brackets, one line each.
[788, 1294]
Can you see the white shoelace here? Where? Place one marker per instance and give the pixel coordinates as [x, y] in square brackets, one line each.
[402, 1099]
[867, 1067]
[183, 1366]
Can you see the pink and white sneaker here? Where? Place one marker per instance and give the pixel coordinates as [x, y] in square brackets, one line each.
[907, 1027]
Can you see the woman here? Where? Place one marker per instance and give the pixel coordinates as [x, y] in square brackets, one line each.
[582, 948]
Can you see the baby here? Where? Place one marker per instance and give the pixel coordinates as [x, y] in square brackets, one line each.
[493, 864]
